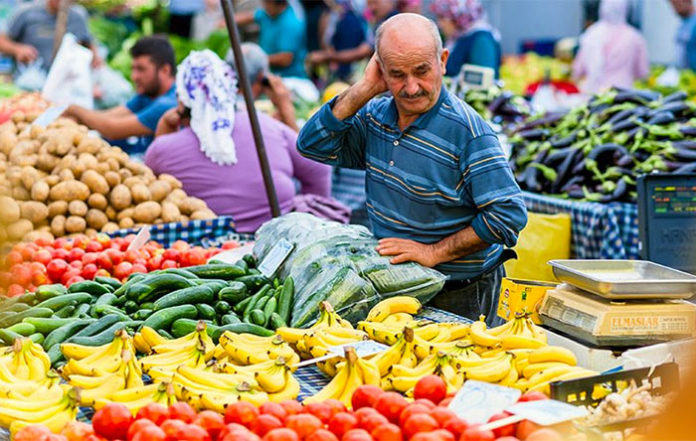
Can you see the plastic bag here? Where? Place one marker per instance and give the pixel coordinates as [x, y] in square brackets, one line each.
[115, 89]
[69, 74]
[30, 76]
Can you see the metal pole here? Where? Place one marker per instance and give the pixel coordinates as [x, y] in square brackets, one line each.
[61, 25]
[233, 32]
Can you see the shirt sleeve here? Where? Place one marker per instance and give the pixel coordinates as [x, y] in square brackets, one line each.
[492, 187]
[259, 15]
[314, 177]
[150, 115]
[16, 24]
[327, 139]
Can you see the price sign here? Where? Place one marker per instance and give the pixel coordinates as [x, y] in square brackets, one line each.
[140, 239]
[363, 349]
[280, 251]
[477, 401]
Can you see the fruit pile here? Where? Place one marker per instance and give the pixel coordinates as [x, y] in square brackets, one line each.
[67, 261]
[375, 416]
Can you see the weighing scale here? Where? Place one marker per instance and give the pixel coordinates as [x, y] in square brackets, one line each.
[667, 219]
[473, 77]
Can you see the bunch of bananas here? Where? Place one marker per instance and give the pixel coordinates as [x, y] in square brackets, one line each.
[24, 368]
[53, 407]
[102, 370]
[350, 374]
[138, 397]
[192, 350]
[207, 389]
[541, 367]
[249, 349]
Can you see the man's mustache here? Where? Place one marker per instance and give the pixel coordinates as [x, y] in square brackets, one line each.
[420, 93]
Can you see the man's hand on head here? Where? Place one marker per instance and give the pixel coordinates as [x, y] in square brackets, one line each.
[404, 250]
[373, 80]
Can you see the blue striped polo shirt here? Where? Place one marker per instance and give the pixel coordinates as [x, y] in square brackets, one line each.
[443, 173]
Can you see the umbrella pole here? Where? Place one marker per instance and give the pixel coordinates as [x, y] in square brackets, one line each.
[61, 25]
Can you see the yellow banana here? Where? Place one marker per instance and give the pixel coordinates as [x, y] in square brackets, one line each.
[503, 329]
[289, 392]
[548, 374]
[273, 379]
[479, 336]
[518, 341]
[152, 337]
[78, 352]
[393, 305]
[354, 381]
[398, 319]
[55, 422]
[140, 344]
[369, 370]
[510, 378]
[333, 389]
[553, 353]
[109, 385]
[389, 357]
[136, 393]
[533, 368]
[9, 415]
[491, 372]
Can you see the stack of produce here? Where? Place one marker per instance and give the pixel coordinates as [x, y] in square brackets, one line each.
[58, 181]
[518, 72]
[22, 106]
[596, 151]
[686, 82]
[497, 105]
[66, 261]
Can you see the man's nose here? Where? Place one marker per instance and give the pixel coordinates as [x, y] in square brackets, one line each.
[412, 86]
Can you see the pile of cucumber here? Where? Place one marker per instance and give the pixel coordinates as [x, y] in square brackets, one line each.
[235, 297]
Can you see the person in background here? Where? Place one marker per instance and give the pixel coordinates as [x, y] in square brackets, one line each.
[469, 37]
[412, 6]
[281, 36]
[315, 11]
[612, 53]
[207, 143]
[181, 13]
[686, 35]
[152, 71]
[31, 31]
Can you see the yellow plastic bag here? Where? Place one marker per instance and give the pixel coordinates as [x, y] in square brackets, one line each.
[546, 237]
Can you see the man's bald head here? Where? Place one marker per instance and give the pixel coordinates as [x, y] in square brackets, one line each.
[405, 32]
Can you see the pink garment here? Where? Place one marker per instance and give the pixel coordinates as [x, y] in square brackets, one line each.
[238, 190]
[612, 53]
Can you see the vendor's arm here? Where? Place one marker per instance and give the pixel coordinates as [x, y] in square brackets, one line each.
[279, 95]
[336, 133]
[23, 53]
[244, 18]
[109, 126]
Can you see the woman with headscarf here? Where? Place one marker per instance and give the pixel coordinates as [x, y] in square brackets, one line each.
[469, 37]
[612, 53]
[207, 143]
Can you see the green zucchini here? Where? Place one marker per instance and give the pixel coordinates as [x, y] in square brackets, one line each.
[102, 338]
[18, 307]
[230, 318]
[97, 326]
[250, 260]
[165, 334]
[269, 309]
[256, 316]
[241, 263]
[82, 310]
[104, 310]
[239, 307]
[191, 295]
[148, 305]
[234, 293]
[67, 299]
[216, 285]
[184, 326]
[45, 292]
[262, 301]
[152, 287]
[135, 278]
[255, 299]
[217, 271]
[285, 299]
[142, 314]
[206, 312]
[130, 307]
[181, 272]
[242, 328]
[254, 272]
[222, 307]
[254, 281]
[110, 281]
[61, 334]
[164, 318]
[23, 328]
[106, 299]
[37, 338]
[89, 286]
[276, 321]
[31, 312]
[47, 325]
[65, 311]
[8, 337]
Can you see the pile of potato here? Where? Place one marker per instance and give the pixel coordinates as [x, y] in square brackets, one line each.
[58, 181]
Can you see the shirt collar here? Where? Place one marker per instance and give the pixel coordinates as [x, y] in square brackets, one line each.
[391, 117]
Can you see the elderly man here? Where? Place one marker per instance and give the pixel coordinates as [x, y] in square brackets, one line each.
[439, 189]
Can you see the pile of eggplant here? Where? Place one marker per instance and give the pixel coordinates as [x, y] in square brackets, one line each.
[497, 105]
[594, 152]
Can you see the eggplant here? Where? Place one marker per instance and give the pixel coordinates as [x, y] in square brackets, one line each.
[563, 171]
[661, 118]
[688, 168]
[607, 154]
[573, 182]
[598, 108]
[500, 100]
[684, 155]
[676, 107]
[633, 133]
[636, 96]
[576, 193]
[679, 95]
[548, 119]
[620, 190]
[564, 142]
[534, 134]
[625, 161]
[531, 181]
[689, 144]
[580, 168]
[555, 156]
[673, 165]
[622, 115]
[688, 130]
[624, 125]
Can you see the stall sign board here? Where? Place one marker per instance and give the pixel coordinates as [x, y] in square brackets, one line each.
[477, 401]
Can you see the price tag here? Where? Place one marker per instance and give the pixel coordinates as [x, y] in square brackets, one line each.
[140, 239]
[477, 401]
[547, 412]
[363, 349]
[49, 115]
[280, 251]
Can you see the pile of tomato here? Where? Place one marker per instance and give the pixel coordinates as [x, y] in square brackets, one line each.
[70, 260]
[375, 416]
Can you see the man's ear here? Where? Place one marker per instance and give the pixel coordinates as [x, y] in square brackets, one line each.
[443, 60]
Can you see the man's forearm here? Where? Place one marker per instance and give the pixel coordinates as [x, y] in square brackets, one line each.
[353, 99]
[458, 245]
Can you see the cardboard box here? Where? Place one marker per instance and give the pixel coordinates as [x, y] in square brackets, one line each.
[517, 295]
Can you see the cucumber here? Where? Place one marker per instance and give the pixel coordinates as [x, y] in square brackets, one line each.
[132, 280]
[97, 326]
[256, 316]
[217, 271]
[276, 321]
[230, 318]
[164, 318]
[239, 307]
[250, 260]
[255, 299]
[254, 272]
[191, 295]
[67, 299]
[183, 326]
[217, 262]
[45, 292]
[151, 287]
[285, 299]
[206, 312]
[54, 354]
[8, 337]
[82, 310]
[18, 307]
[37, 338]
[254, 282]
[61, 334]
[165, 334]
[31, 312]
[216, 286]
[103, 310]
[242, 328]
[269, 309]
[110, 281]
[23, 329]
[28, 299]
[222, 307]
[181, 272]
[234, 293]
[148, 305]
[65, 311]
[106, 299]
[130, 307]
[240, 263]
[47, 325]
[102, 338]
[262, 301]
[89, 286]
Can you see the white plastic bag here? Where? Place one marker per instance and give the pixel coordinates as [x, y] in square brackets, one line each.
[115, 89]
[70, 77]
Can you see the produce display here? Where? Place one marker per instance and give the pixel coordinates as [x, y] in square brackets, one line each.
[518, 72]
[66, 261]
[686, 82]
[595, 152]
[497, 105]
[27, 103]
[60, 181]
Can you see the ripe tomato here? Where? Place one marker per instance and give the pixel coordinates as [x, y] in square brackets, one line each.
[233, 427]
[154, 263]
[149, 433]
[456, 426]
[43, 256]
[365, 396]
[390, 404]
[387, 432]
[182, 411]
[283, 434]
[89, 271]
[275, 409]
[533, 396]
[171, 254]
[171, 427]
[21, 274]
[544, 434]
[180, 245]
[444, 435]
[35, 432]
[104, 261]
[137, 426]
[241, 412]
[56, 268]
[13, 258]
[76, 264]
[239, 436]
[430, 387]
[104, 240]
[526, 428]
[446, 402]
[320, 410]
[94, 246]
[508, 430]
[27, 253]
[291, 407]
[90, 258]
[357, 435]
[112, 421]
[192, 432]
[336, 406]
[15, 290]
[419, 422]
[115, 256]
[123, 270]
[62, 243]
[507, 438]
[473, 433]
[303, 424]
[169, 264]
[80, 241]
[264, 424]
[74, 279]
[153, 412]
[77, 431]
[442, 415]
[76, 254]
[342, 422]
[426, 436]
[425, 402]
[211, 421]
[60, 253]
[371, 422]
[139, 268]
[412, 409]
[40, 278]
[322, 435]
[102, 273]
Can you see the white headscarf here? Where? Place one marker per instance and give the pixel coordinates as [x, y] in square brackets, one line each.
[208, 86]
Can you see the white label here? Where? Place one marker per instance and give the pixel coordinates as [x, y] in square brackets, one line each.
[140, 239]
[363, 348]
[477, 401]
[275, 258]
[547, 412]
[49, 115]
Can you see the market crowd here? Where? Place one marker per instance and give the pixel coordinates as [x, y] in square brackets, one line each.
[392, 144]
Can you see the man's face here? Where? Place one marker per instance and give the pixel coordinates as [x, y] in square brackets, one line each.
[380, 8]
[52, 5]
[145, 76]
[271, 8]
[683, 8]
[414, 77]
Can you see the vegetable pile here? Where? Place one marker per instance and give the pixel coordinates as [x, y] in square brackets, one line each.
[26, 103]
[518, 72]
[59, 181]
[596, 151]
[497, 105]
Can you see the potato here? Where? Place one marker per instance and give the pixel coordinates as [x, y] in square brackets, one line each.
[112, 178]
[110, 213]
[58, 226]
[202, 214]
[146, 212]
[109, 227]
[190, 205]
[75, 224]
[89, 145]
[140, 193]
[69, 191]
[17, 117]
[57, 208]
[39, 191]
[29, 177]
[33, 236]
[91, 232]
[98, 201]
[36, 131]
[66, 175]
[103, 168]
[47, 162]
[114, 165]
[9, 210]
[7, 141]
[125, 173]
[52, 180]
[174, 182]
[170, 212]
[88, 161]
[34, 211]
[120, 197]
[20, 193]
[128, 212]
[18, 229]
[96, 182]
[126, 222]
[77, 208]
[96, 219]
[3, 234]
[159, 190]
[177, 196]
[132, 181]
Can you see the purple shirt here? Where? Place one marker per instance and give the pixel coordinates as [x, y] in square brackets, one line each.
[238, 190]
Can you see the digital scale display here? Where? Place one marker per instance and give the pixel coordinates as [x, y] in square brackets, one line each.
[674, 200]
[473, 77]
